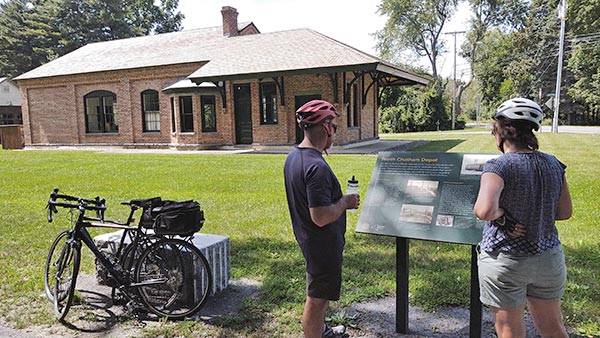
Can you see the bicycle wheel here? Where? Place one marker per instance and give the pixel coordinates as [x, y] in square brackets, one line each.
[60, 273]
[175, 278]
[128, 262]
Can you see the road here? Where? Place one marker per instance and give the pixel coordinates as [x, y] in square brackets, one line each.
[573, 129]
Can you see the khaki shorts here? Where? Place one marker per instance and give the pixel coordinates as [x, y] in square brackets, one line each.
[506, 280]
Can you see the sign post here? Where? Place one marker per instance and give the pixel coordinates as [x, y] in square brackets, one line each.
[427, 196]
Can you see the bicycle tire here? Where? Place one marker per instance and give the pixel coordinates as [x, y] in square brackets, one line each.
[60, 273]
[49, 270]
[181, 275]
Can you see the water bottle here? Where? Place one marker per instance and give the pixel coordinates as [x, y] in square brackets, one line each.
[352, 188]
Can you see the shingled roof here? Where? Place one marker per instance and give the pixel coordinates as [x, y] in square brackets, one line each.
[299, 51]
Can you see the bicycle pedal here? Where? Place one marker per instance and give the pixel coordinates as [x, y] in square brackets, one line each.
[133, 307]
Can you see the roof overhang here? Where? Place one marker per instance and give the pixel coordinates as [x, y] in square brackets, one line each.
[385, 74]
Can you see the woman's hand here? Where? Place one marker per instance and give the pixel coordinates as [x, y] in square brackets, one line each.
[518, 230]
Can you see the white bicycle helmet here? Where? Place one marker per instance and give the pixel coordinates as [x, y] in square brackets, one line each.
[521, 109]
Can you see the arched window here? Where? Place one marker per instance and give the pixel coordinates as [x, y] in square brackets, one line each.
[150, 110]
[101, 112]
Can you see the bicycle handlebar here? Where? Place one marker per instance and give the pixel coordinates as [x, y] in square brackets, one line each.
[81, 203]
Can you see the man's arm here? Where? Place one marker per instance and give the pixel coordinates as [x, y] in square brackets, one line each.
[322, 216]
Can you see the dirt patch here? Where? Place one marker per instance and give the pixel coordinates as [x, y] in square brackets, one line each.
[97, 316]
[377, 319]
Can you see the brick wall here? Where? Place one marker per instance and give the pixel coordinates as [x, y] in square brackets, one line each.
[54, 109]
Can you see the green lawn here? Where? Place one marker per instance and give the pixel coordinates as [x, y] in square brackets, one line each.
[243, 198]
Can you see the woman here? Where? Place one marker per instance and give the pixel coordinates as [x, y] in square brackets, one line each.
[521, 194]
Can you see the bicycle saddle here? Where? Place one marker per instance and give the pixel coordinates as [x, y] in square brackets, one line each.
[147, 202]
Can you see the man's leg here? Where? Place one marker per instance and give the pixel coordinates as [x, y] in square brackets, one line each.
[547, 317]
[313, 317]
[510, 323]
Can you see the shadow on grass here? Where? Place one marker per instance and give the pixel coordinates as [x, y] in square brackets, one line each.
[438, 277]
[439, 145]
[280, 267]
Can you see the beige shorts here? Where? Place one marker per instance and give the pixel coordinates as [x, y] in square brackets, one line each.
[505, 280]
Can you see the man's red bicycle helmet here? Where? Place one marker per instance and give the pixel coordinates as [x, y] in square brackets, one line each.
[314, 112]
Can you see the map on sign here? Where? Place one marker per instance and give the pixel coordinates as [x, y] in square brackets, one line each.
[426, 196]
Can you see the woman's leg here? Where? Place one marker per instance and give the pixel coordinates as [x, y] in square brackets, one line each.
[547, 317]
[510, 323]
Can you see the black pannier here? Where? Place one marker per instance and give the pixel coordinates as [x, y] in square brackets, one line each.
[172, 217]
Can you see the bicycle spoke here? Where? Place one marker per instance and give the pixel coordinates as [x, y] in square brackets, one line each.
[186, 272]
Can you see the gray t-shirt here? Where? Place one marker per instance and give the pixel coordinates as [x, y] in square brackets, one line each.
[532, 186]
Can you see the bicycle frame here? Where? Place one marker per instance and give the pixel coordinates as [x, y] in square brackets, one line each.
[79, 234]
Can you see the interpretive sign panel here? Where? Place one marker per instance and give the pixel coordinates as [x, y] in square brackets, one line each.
[426, 196]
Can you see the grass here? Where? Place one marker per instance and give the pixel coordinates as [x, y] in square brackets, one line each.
[243, 198]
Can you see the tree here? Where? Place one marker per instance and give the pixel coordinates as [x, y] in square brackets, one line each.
[415, 26]
[406, 109]
[584, 19]
[37, 31]
[533, 69]
[487, 15]
[26, 37]
[518, 56]
[494, 52]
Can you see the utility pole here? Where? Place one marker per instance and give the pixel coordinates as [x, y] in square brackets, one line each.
[562, 12]
[454, 108]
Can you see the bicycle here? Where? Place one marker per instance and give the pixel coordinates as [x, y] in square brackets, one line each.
[169, 276]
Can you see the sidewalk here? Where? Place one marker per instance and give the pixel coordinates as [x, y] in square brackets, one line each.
[369, 147]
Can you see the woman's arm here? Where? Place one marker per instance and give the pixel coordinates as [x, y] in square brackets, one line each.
[487, 205]
[564, 208]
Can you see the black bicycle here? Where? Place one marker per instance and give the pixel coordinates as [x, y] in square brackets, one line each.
[168, 276]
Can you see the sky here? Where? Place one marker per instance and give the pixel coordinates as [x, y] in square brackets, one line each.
[350, 22]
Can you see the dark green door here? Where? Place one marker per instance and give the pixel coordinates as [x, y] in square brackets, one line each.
[243, 113]
[298, 102]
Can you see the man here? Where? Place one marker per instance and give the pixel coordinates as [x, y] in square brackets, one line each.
[318, 212]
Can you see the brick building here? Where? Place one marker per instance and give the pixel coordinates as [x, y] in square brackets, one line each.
[203, 88]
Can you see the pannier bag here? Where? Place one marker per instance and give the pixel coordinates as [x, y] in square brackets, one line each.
[173, 218]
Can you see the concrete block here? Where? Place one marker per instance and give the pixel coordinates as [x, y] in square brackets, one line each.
[214, 247]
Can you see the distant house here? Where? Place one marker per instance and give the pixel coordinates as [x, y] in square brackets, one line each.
[10, 102]
[203, 88]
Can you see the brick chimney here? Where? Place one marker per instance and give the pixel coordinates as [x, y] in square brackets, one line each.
[230, 23]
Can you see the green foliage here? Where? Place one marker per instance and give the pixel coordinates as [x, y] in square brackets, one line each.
[414, 25]
[490, 64]
[37, 31]
[407, 109]
[536, 45]
[584, 21]
[513, 48]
